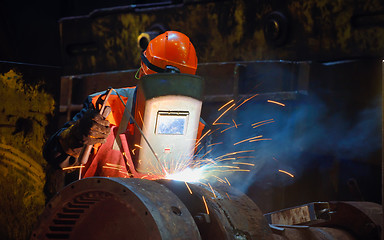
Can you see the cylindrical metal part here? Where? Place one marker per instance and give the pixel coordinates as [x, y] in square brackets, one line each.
[230, 214]
[132, 208]
[116, 208]
[313, 233]
[128, 208]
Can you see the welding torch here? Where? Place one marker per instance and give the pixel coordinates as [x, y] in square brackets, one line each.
[104, 111]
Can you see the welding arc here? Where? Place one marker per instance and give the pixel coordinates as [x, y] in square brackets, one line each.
[138, 127]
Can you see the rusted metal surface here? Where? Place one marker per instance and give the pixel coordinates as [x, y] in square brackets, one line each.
[232, 215]
[114, 208]
[239, 30]
[313, 233]
[120, 208]
[339, 220]
[363, 219]
[127, 208]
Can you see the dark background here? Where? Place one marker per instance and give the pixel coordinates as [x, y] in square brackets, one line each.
[30, 30]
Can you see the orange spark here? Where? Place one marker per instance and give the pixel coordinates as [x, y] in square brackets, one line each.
[231, 170]
[73, 167]
[114, 165]
[226, 159]
[289, 174]
[212, 190]
[137, 145]
[114, 168]
[124, 173]
[141, 118]
[214, 123]
[210, 145]
[261, 139]
[268, 121]
[227, 129]
[249, 164]
[246, 157]
[234, 123]
[206, 206]
[225, 105]
[205, 134]
[228, 196]
[207, 153]
[227, 167]
[234, 153]
[262, 124]
[248, 139]
[126, 159]
[246, 100]
[199, 149]
[229, 184]
[190, 191]
[278, 103]
[222, 124]
[219, 179]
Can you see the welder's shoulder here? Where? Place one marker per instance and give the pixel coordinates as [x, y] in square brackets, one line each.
[124, 92]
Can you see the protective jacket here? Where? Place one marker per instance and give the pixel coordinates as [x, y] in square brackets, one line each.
[104, 160]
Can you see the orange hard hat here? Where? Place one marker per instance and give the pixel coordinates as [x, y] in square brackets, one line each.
[170, 51]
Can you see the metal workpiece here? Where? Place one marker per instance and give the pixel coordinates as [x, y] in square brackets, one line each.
[328, 220]
[309, 213]
[127, 208]
[132, 208]
[230, 214]
[311, 233]
[115, 208]
[363, 219]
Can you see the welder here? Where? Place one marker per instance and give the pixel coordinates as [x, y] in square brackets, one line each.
[169, 52]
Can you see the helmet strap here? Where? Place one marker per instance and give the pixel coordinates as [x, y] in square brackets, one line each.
[156, 68]
[137, 73]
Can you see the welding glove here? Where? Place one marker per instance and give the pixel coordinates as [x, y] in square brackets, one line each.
[91, 129]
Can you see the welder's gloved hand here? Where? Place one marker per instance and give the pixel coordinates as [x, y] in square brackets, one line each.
[92, 128]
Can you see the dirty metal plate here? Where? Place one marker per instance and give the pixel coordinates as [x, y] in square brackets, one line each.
[230, 214]
[311, 212]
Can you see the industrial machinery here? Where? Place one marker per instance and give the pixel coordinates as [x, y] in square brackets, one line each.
[286, 51]
[128, 208]
[135, 208]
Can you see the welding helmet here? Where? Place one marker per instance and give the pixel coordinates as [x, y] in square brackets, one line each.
[169, 52]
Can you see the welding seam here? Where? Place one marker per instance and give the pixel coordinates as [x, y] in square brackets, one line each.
[223, 211]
